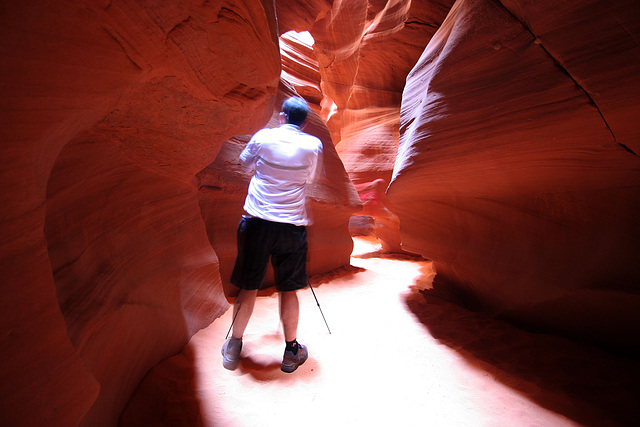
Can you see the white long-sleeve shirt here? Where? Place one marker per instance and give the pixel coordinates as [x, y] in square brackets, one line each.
[285, 160]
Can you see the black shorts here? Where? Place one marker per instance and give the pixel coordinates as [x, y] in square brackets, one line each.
[285, 244]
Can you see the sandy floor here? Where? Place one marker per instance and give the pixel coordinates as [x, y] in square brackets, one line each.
[395, 356]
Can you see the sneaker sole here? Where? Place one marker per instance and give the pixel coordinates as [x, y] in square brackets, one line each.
[229, 363]
[293, 366]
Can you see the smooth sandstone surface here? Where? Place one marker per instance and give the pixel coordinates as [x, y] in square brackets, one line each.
[364, 51]
[517, 129]
[110, 109]
[507, 130]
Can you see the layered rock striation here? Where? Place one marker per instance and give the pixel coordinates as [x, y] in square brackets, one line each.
[518, 169]
[110, 110]
[510, 142]
[364, 52]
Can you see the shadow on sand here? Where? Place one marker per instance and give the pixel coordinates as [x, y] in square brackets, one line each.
[584, 383]
[150, 405]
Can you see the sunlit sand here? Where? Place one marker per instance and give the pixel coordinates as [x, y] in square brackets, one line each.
[395, 356]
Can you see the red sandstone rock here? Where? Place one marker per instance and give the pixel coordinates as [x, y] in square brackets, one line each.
[397, 34]
[518, 171]
[386, 225]
[356, 43]
[518, 165]
[300, 67]
[111, 109]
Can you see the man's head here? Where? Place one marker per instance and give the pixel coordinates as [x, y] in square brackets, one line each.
[295, 110]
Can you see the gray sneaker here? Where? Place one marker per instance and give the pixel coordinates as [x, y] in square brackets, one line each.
[231, 353]
[290, 361]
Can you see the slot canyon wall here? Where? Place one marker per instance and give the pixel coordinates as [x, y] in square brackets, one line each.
[110, 111]
[517, 170]
[507, 131]
[519, 125]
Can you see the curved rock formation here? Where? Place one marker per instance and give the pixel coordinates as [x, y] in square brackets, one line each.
[376, 218]
[111, 109]
[300, 68]
[518, 170]
[364, 52]
[116, 106]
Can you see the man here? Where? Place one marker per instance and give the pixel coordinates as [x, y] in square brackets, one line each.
[286, 161]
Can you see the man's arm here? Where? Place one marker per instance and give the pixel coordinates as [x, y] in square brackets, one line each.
[249, 155]
[317, 169]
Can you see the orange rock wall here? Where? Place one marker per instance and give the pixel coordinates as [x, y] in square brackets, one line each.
[394, 33]
[364, 51]
[109, 110]
[517, 172]
[518, 169]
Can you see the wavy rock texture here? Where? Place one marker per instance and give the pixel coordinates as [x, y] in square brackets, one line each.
[300, 68]
[376, 218]
[364, 52]
[517, 130]
[110, 109]
[396, 33]
[518, 170]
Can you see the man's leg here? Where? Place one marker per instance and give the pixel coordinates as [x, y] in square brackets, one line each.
[289, 266]
[289, 313]
[242, 310]
[295, 354]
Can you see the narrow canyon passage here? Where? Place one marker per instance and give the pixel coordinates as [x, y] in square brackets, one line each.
[393, 357]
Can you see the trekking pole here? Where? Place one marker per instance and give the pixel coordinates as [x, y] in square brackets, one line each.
[233, 320]
[316, 298]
